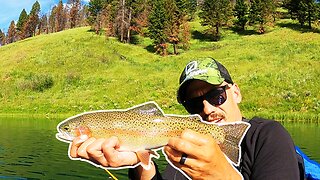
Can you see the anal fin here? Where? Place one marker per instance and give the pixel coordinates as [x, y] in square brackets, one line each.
[145, 157]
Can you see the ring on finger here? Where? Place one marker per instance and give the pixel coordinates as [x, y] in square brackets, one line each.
[183, 158]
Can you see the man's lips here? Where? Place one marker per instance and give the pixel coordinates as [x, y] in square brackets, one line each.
[217, 120]
[214, 120]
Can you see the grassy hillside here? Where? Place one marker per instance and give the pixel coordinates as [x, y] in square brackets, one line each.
[75, 71]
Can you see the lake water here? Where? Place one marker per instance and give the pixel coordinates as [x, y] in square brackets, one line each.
[29, 150]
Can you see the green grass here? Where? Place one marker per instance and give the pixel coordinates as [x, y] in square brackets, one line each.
[74, 71]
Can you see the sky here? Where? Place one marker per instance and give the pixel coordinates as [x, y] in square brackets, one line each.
[11, 9]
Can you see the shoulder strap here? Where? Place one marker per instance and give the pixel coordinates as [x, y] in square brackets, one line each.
[301, 166]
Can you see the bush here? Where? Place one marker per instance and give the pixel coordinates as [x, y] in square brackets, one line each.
[36, 82]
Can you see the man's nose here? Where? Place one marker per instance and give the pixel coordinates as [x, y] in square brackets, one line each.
[208, 108]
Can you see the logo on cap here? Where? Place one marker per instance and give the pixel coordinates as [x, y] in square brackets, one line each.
[192, 70]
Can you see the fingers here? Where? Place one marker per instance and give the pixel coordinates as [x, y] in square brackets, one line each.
[101, 151]
[192, 167]
[74, 146]
[173, 154]
[82, 150]
[194, 137]
[95, 152]
[114, 157]
[110, 152]
[205, 160]
[190, 143]
[88, 148]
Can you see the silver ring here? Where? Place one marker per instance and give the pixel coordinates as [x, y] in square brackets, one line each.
[183, 158]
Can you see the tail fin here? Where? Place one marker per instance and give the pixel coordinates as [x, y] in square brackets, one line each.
[234, 133]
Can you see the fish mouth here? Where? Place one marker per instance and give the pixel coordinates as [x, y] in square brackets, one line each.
[65, 137]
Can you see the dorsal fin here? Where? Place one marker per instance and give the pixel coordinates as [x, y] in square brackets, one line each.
[148, 108]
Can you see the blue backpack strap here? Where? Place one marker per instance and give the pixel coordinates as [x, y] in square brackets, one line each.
[301, 166]
[311, 168]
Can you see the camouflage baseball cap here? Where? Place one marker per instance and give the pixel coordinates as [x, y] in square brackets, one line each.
[204, 69]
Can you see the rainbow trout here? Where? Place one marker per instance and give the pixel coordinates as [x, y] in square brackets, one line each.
[144, 129]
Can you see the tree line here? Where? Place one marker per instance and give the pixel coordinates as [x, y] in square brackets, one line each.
[61, 17]
[166, 22]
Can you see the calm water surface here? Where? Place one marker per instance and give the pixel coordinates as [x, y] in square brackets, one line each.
[29, 150]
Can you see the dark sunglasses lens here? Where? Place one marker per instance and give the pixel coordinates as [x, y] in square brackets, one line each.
[214, 97]
[218, 100]
[194, 106]
[217, 97]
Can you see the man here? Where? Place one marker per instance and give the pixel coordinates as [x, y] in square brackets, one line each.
[206, 88]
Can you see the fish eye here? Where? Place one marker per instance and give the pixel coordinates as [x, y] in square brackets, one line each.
[66, 128]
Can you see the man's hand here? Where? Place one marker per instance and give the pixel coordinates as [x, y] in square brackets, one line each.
[106, 152]
[204, 160]
[102, 151]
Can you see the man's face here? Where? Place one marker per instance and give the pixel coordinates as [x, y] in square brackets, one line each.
[228, 111]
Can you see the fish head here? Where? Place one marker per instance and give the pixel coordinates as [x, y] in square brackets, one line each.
[71, 128]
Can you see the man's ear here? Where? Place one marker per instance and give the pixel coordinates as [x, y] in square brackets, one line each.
[236, 93]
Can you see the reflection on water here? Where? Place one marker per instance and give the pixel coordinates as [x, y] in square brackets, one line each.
[306, 136]
[29, 149]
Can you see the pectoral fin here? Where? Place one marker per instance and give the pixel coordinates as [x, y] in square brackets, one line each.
[83, 130]
[145, 158]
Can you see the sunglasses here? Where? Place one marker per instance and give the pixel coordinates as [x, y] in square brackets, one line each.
[215, 97]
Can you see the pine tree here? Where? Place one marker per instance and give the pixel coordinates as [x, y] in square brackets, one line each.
[52, 20]
[256, 14]
[131, 18]
[121, 13]
[293, 7]
[22, 20]
[185, 34]
[192, 8]
[60, 18]
[255, 11]
[11, 35]
[157, 24]
[141, 14]
[2, 38]
[173, 24]
[94, 8]
[83, 15]
[307, 12]
[29, 28]
[105, 19]
[177, 28]
[215, 14]
[187, 10]
[43, 24]
[261, 12]
[241, 13]
[34, 16]
[74, 12]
